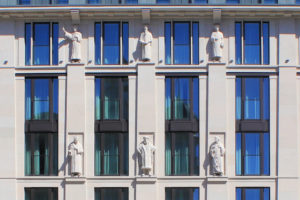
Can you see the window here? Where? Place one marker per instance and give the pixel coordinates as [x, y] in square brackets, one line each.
[111, 193]
[252, 126]
[111, 51]
[251, 2]
[178, 35]
[41, 194]
[41, 115]
[112, 1]
[182, 132]
[38, 37]
[40, 2]
[111, 126]
[252, 193]
[182, 193]
[252, 43]
[181, 1]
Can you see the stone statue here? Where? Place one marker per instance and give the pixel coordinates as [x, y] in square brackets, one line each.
[216, 153]
[75, 152]
[217, 43]
[146, 41]
[146, 151]
[76, 38]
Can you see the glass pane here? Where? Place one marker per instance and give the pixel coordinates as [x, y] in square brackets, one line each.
[162, 1]
[41, 194]
[168, 43]
[28, 99]
[270, 2]
[55, 99]
[125, 98]
[168, 194]
[238, 194]
[232, 1]
[111, 43]
[266, 154]
[62, 1]
[238, 154]
[181, 43]
[41, 55]
[181, 154]
[266, 194]
[41, 34]
[238, 43]
[111, 154]
[41, 154]
[55, 31]
[196, 97]
[195, 43]
[41, 44]
[168, 99]
[41, 99]
[55, 154]
[125, 150]
[97, 154]
[168, 154]
[97, 194]
[181, 98]
[196, 150]
[181, 193]
[252, 98]
[252, 194]
[252, 43]
[125, 38]
[238, 101]
[97, 39]
[27, 194]
[196, 194]
[200, 1]
[266, 42]
[252, 154]
[111, 98]
[266, 97]
[252, 54]
[27, 154]
[24, 2]
[110, 193]
[27, 43]
[97, 99]
[93, 1]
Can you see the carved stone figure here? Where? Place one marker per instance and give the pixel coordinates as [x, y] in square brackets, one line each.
[76, 38]
[146, 41]
[75, 152]
[217, 152]
[146, 151]
[217, 43]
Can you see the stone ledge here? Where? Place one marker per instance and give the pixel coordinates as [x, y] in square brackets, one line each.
[217, 179]
[75, 180]
[145, 63]
[216, 63]
[146, 180]
[75, 64]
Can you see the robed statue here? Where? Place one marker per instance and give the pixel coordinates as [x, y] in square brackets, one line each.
[146, 151]
[217, 43]
[217, 152]
[75, 152]
[146, 41]
[75, 38]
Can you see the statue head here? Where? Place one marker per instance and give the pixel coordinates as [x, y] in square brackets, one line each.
[146, 140]
[75, 28]
[145, 28]
[217, 27]
[76, 140]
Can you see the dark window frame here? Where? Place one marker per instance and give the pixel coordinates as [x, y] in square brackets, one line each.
[121, 190]
[51, 192]
[42, 126]
[173, 195]
[243, 193]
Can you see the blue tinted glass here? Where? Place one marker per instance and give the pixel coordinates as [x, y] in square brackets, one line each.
[93, 1]
[297, 1]
[232, 1]
[55, 31]
[266, 43]
[162, 1]
[27, 44]
[252, 154]
[41, 99]
[28, 99]
[238, 154]
[97, 39]
[168, 43]
[196, 97]
[111, 43]
[238, 101]
[252, 98]
[200, 1]
[252, 194]
[266, 194]
[182, 43]
[125, 42]
[270, 2]
[24, 2]
[181, 98]
[168, 99]
[266, 153]
[195, 43]
[55, 99]
[196, 150]
[41, 47]
[238, 194]
[238, 43]
[196, 194]
[252, 43]
[266, 97]
[62, 1]
[131, 1]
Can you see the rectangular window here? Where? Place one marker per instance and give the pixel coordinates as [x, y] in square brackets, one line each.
[37, 37]
[62, 1]
[252, 126]
[24, 2]
[111, 154]
[41, 194]
[41, 154]
[252, 193]
[111, 193]
[182, 193]
[179, 35]
[252, 43]
[109, 35]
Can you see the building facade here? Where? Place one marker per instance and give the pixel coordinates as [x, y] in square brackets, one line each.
[183, 99]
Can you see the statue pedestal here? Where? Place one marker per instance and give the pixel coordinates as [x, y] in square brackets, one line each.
[217, 188]
[146, 188]
[75, 188]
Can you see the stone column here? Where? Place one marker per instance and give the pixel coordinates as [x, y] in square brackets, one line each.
[216, 185]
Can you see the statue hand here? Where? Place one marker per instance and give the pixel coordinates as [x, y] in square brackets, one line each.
[63, 28]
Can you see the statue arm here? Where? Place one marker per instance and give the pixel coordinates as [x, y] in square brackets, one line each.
[68, 35]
